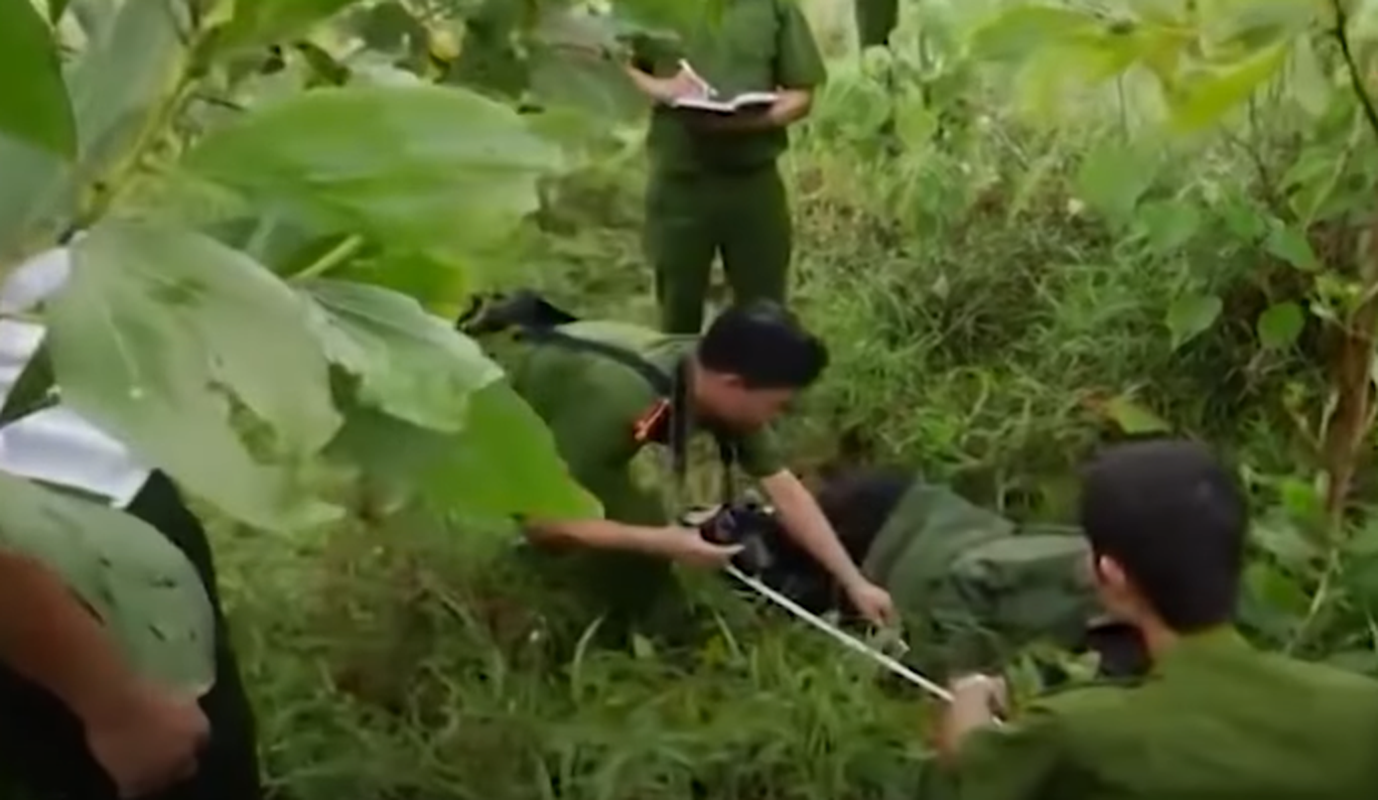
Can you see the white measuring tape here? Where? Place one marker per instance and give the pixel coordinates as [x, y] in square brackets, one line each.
[839, 635]
[846, 639]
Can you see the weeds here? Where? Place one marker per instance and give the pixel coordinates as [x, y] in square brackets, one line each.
[985, 328]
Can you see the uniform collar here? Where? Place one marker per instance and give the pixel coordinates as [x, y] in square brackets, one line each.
[1208, 646]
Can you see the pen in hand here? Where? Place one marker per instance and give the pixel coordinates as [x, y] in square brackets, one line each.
[704, 86]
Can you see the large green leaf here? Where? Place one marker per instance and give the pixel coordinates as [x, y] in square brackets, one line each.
[412, 365]
[1291, 245]
[504, 463]
[261, 22]
[1191, 315]
[125, 75]
[137, 582]
[1114, 176]
[154, 333]
[33, 106]
[1020, 30]
[441, 285]
[132, 64]
[421, 166]
[564, 76]
[1168, 225]
[1203, 96]
[56, 10]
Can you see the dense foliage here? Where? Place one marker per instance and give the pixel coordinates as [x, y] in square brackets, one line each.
[1033, 226]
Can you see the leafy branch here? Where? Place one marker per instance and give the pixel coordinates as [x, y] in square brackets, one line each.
[1356, 77]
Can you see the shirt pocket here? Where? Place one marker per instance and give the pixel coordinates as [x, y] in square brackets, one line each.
[750, 38]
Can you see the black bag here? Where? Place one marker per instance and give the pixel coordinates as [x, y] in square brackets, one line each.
[536, 320]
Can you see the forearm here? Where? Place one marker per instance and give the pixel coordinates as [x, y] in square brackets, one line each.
[48, 636]
[805, 524]
[791, 106]
[643, 82]
[959, 721]
[601, 534]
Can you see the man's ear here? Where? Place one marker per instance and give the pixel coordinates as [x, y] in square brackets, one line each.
[1110, 572]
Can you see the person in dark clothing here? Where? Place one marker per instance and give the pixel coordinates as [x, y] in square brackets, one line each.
[46, 749]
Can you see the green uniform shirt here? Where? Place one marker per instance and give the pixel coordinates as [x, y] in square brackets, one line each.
[1216, 720]
[758, 45]
[591, 403]
[972, 586]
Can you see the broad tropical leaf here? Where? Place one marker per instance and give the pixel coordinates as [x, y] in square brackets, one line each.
[124, 75]
[154, 334]
[1191, 315]
[33, 106]
[503, 463]
[1019, 31]
[131, 65]
[434, 168]
[140, 585]
[1202, 96]
[1114, 176]
[410, 364]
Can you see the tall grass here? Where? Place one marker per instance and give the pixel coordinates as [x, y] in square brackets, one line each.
[980, 321]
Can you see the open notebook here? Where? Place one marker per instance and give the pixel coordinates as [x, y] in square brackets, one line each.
[745, 102]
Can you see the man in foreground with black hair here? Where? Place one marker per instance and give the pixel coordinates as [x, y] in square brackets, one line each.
[1214, 718]
[608, 389]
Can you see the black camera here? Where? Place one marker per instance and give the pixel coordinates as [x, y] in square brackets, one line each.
[749, 524]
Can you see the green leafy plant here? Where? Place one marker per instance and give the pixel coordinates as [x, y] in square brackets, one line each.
[264, 239]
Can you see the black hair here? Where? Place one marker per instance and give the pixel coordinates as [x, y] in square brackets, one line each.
[856, 502]
[763, 344]
[1175, 519]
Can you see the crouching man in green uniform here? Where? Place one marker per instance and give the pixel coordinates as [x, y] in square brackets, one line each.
[608, 389]
[714, 186]
[1214, 718]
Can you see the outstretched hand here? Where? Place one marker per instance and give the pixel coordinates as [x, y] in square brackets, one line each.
[148, 740]
[688, 546]
[872, 602]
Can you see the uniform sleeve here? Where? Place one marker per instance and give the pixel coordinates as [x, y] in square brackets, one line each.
[596, 444]
[798, 64]
[760, 454]
[1014, 762]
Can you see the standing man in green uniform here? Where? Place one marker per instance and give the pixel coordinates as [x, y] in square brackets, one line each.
[588, 381]
[715, 188]
[1214, 717]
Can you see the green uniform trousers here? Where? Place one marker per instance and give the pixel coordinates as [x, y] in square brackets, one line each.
[875, 21]
[691, 218]
[634, 593]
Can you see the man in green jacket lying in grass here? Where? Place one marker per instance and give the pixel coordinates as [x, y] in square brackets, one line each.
[972, 587]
